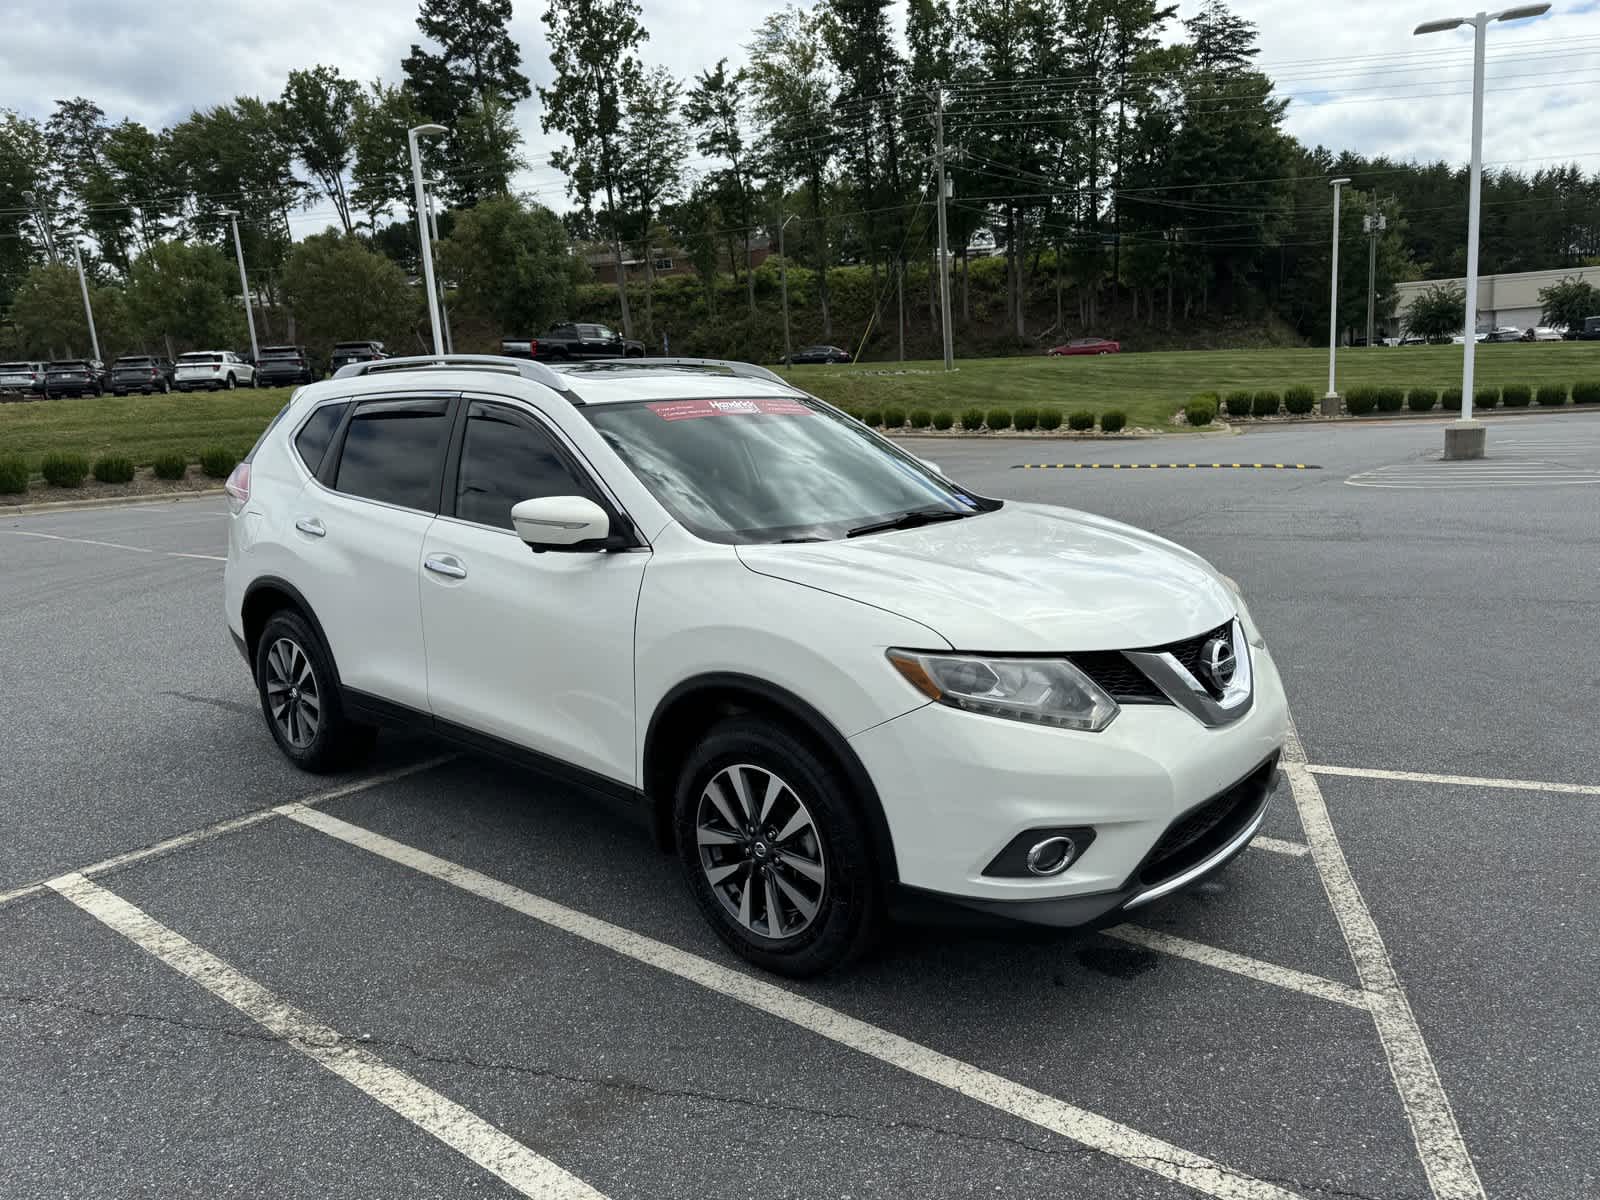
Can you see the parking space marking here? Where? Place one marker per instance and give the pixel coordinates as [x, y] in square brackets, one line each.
[1443, 1153]
[206, 832]
[462, 1130]
[57, 537]
[1514, 785]
[1239, 964]
[1279, 846]
[1086, 1128]
[1158, 466]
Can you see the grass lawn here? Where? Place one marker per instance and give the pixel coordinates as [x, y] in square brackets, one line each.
[1149, 388]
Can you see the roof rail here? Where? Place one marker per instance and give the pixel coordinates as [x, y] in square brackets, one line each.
[743, 370]
[524, 367]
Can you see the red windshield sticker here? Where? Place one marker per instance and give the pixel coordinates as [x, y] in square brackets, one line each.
[682, 410]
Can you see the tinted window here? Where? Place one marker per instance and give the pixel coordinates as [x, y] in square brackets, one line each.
[392, 451]
[312, 441]
[133, 362]
[505, 459]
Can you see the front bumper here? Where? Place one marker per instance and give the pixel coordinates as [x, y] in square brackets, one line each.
[957, 788]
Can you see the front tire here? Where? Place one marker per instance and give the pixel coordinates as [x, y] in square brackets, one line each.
[774, 849]
[300, 698]
[231, 384]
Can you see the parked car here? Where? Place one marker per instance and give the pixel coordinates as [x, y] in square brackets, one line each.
[345, 353]
[281, 366]
[144, 373]
[819, 354]
[1085, 346]
[830, 675]
[212, 370]
[1460, 339]
[1412, 339]
[1502, 333]
[571, 342]
[75, 377]
[1590, 331]
[24, 377]
[1545, 333]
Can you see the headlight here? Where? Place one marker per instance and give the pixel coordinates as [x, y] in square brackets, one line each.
[1251, 629]
[1042, 691]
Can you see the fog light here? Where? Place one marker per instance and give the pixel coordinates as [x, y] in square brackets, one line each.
[1051, 856]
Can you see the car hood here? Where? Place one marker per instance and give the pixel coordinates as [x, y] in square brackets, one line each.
[1026, 578]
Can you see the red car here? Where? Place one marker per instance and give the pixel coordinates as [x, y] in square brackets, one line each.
[1085, 346]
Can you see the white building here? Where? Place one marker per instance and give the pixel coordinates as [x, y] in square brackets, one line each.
[1502, 299]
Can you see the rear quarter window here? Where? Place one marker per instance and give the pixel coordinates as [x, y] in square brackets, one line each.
[312, 442]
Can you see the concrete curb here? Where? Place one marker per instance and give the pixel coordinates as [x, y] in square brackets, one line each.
[109, 502]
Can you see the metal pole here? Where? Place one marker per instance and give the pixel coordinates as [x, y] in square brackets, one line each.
[1371, 223]
[944, 238]
[444, 309]
[1333, 300]
[1480, 28]
[88, 309]
[43, 222]
[900, 301]
[783, 284]
[422, 232]
[244, 287]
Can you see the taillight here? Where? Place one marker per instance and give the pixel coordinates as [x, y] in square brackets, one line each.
[216, 366]
[238, 487]
[533, 347]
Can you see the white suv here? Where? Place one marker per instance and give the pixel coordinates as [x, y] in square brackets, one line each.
[833, 678]
[214, 370]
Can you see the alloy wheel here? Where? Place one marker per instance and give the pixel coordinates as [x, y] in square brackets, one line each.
[760, 851]
[293, 697]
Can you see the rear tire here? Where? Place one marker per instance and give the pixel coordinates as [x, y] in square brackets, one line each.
[775, 850]
[300, 698]
[230, 385]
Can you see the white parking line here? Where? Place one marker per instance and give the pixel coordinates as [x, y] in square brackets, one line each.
[1515, 785]
[1086, 1128]
[56, 537]
[1445, 1159]
[462, 1130]
[1238, 964]
[1279, 846]
[244, 821]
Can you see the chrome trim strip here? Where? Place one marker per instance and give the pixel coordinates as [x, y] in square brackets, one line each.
[1188, 693]
[1234, 845]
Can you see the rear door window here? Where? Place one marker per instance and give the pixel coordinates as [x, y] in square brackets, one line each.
[393, 451]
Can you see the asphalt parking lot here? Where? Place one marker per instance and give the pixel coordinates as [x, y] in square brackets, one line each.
[440, 977]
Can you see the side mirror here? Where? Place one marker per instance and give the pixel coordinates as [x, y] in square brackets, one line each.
[932, 466]
[561, 523]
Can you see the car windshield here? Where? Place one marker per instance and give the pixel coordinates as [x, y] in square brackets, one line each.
[775, 470]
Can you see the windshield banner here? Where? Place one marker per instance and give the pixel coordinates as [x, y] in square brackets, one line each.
[681, 410]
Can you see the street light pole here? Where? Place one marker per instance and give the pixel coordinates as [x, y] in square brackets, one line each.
[1373, 224]
[422, 229]
[944, 235]
[244, 284]
[88, 309]
[1465, 438]
[1333, 301]
[444, 309]
[783, 284]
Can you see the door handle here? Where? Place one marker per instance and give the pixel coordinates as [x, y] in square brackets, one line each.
[447, 565]
[312, 526]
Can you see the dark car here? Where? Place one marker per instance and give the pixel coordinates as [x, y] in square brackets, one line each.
[345, 353]
[1085, 346]
[75, 377]
[280, 366]
[1590, 331]
[818, 354]
[24, 377]
[573, 342]
[1505, 333]
[141, 373]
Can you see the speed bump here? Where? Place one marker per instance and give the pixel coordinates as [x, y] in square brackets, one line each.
[1099, 466]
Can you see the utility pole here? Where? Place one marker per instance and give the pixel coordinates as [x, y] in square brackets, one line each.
[244, 284]
[944, 237]
[444, 312]
[88, 309]
[900, 300]
[43, 221]
[1373, 224]
[783, 282]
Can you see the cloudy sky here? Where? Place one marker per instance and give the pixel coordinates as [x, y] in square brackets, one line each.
[1356, 76]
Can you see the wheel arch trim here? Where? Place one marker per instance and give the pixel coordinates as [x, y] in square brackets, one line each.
[273, 583]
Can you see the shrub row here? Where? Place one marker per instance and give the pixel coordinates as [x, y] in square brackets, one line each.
[69, 470]
[1362, 400]
[995, 420]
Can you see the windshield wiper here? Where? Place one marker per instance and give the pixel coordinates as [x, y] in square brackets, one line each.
[909, 520]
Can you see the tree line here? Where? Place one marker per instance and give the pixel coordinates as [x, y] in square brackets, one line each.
[1129, 167]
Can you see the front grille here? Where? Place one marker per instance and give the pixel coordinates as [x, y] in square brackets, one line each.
[1205, 829]
[1118, 677]
[1187, 652]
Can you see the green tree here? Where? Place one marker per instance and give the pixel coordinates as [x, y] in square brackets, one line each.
[653, 149]
[139, 170]
[474, 76]
[187, 295]
[318, 108]
[1437, 312]
[339, 290]
[381, 170]
[74, 136]
[1567, 303]
[22, 159]
[714, 106]
[48, 313]
[595, 53]
[511, 265]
